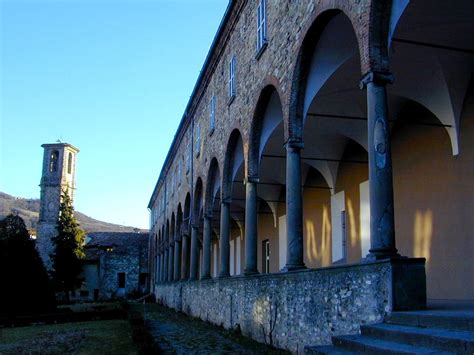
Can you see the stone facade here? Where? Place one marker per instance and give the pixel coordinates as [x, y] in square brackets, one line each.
[321, 158]
[293, 310]
[58, 176]
[109, 254]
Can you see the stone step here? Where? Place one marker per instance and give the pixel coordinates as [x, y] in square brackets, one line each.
[461, 342]
[325, 350]
[459, 320]
[369, 345]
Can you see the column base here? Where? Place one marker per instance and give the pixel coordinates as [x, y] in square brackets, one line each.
[250, 272]
[293, 267]
[205, 278]
[223, 275]
[375, 255]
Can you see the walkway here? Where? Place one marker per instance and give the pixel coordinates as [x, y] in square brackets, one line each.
[177, 333]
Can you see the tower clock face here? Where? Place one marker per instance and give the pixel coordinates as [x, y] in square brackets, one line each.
[51, 206]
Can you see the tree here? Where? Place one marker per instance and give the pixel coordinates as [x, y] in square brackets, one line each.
[68, 248]
[26, 286]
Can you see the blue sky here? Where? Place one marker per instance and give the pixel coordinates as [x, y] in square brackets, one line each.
[111, 77]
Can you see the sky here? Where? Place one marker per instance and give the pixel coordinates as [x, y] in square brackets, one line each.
[111, 77]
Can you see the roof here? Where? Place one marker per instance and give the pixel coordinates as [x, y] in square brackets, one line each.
[119, 242]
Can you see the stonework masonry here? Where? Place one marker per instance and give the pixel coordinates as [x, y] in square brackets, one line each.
[297, 171]
[58, 176]
[296, 309]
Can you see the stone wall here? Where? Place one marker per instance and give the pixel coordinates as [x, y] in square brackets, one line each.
[302, 308]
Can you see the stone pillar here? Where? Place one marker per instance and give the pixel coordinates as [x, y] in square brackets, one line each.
[251, 236]
[184, 260]
[158, 267]
[165, 266]
[177, 260]
[382, 227]
[294, 207]
[194, 271]
[170, 261]
[224, 239]
[206, 248]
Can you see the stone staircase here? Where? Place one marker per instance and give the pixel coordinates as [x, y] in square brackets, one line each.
[415, 332]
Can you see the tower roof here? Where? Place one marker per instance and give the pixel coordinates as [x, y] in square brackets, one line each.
[57, 145]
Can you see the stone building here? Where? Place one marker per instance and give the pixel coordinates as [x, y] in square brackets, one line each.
[58, 176]
[326, 156]
[116, 266]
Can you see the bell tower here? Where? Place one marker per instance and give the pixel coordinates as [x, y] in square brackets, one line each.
[59, 174]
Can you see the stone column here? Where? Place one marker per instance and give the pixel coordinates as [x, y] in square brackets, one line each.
[165, 266]
[158, 267]
[294, 207]
[206, 248]
[224, 239]
[251, 236]
[184, 260]
[170, 261]
[382, 230]
[194, 272]
[177, 260]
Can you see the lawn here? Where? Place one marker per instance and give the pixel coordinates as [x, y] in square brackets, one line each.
[96, 337]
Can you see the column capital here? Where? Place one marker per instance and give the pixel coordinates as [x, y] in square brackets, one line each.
[208, 215]
[252, 179]
[226, 201]
[294, 144]
[195, 225]
[381, 78]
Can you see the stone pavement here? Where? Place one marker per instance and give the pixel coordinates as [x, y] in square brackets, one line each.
[176, 333]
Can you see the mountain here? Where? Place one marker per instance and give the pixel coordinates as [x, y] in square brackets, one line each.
[28, 209]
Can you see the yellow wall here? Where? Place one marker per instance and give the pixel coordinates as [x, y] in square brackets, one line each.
[434, 204]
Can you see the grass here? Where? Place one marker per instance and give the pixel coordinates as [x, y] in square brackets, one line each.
[96, 337]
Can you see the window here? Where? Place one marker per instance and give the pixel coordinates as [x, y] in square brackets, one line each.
[53, 162]
[261, 26]
[179, 173]
[212, 114]
[266, 256]
[198, 139]
[121, 279]
[232, 66]
[69, 163]
[188, 161]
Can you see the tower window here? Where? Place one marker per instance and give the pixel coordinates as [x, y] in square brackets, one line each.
[53, 162]
[69, 163]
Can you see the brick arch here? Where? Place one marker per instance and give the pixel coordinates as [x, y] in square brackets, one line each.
[197, 200]
[212, 177]
[312, 32]
[172, 227]
[229, 160]
[270, 86]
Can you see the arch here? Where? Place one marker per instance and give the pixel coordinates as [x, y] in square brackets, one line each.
[212, 185]
[187, 208]
[69, 163]
[172, 228]
[53, 161]
[234, 158]
[268, 114]
[320, 55]
[179, 221]
[430, 62]
[197, 204]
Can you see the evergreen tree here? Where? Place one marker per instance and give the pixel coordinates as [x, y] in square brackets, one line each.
[68, 249]
[26, 286]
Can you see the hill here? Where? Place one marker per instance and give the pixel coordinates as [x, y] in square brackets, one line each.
[28, 209]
